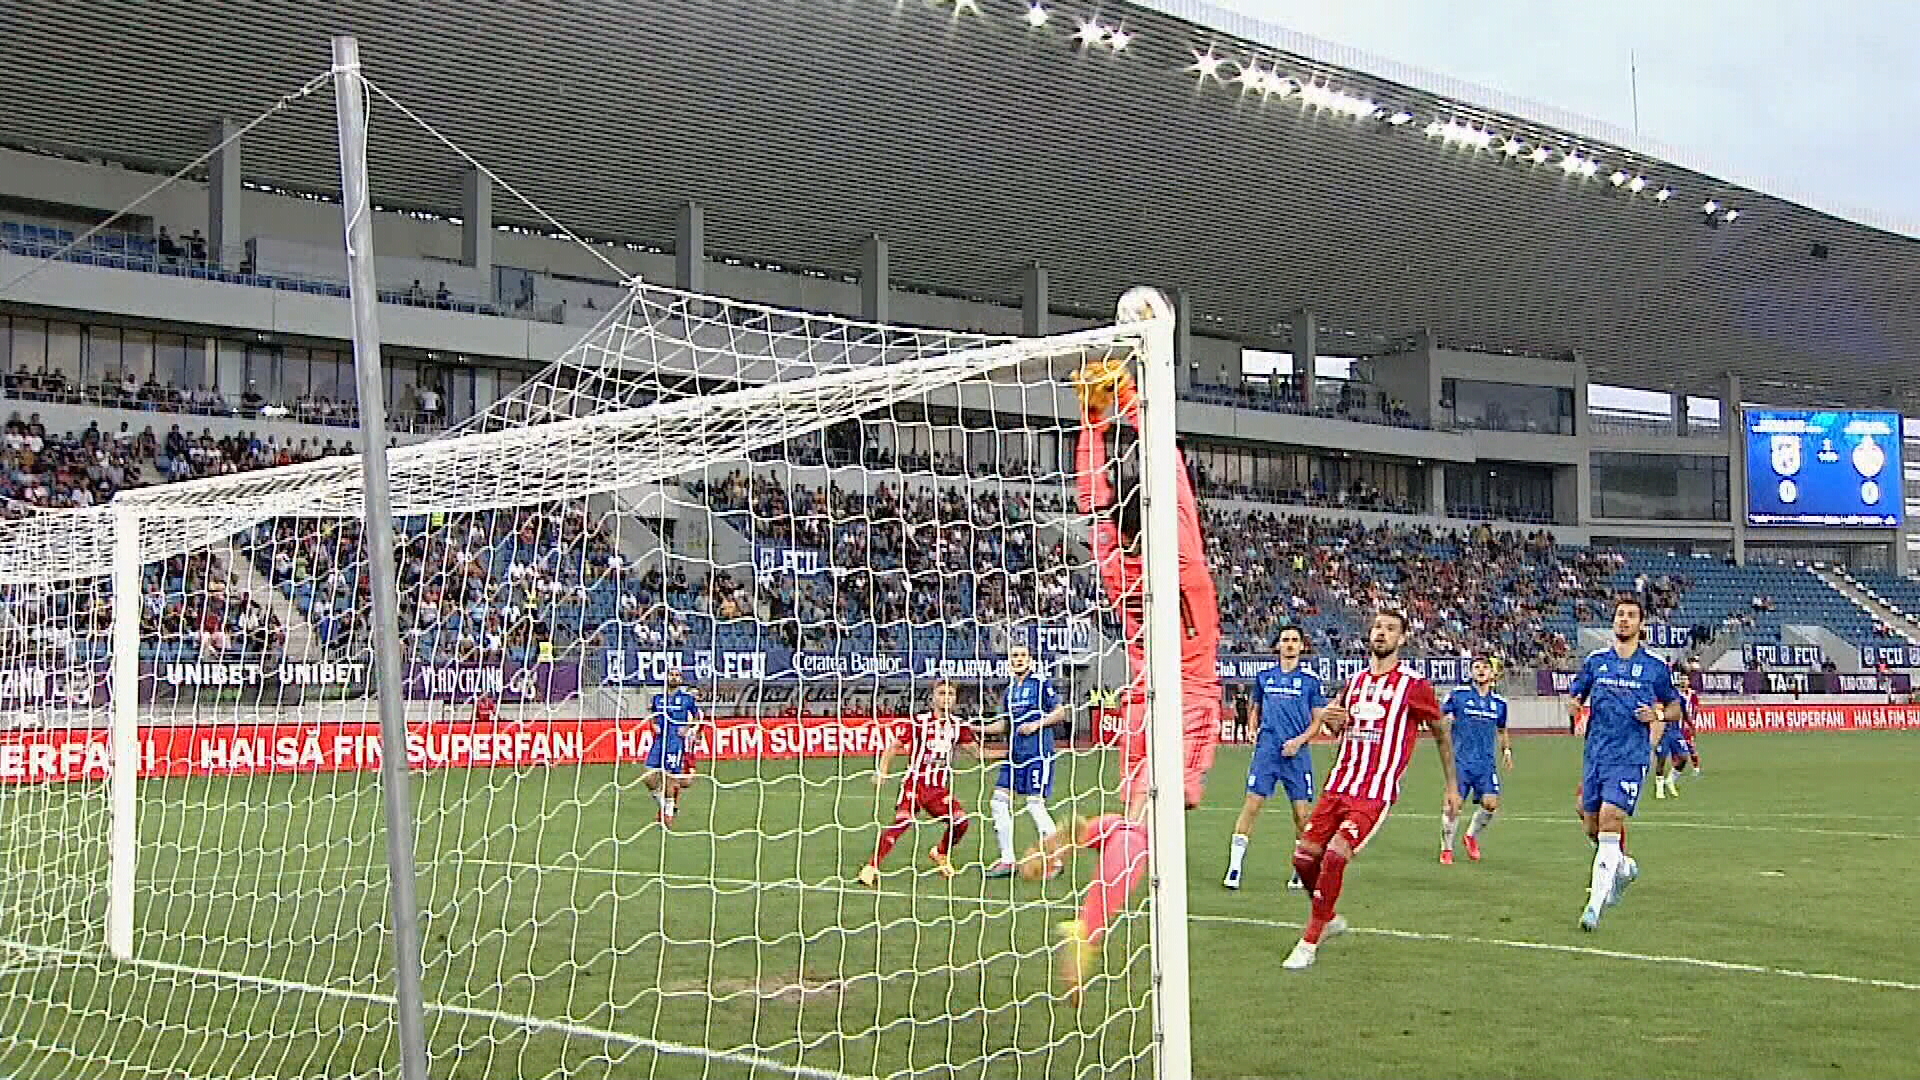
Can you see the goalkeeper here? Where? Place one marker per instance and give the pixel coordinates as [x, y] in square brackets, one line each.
[1121, 839]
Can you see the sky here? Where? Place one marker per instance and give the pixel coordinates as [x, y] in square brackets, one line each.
[1811, 101]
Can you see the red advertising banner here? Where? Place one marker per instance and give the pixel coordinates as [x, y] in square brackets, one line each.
[1721, 718]
[31, 757]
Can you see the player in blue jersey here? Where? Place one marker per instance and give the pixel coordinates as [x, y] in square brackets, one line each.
[1479, 727]
[1630, 698]
[670, 758]
[1034, 712]
[1288, 705]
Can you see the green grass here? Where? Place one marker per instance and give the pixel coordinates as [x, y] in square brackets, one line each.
[551, 896]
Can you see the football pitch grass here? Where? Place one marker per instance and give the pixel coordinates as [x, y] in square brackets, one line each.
[1771, 933]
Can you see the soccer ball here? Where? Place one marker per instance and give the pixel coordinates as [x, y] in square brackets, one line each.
[1142, 304]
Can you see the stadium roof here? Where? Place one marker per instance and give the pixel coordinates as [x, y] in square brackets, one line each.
[976, 138]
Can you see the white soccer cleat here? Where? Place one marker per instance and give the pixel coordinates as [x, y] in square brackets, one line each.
[1659, 790]
[1335, 927]
[1301, 958]
[1294, 884]
[1628, 873]
[1232, 880]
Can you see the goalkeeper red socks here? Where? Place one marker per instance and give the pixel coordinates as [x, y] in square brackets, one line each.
[1326, 893]
[1123, 863]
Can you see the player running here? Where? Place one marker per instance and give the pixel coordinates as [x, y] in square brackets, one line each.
[1379, 716]
[1630, 696]
[1291, 704]
[1690, 711]
[1034, 710]
[927, 788]
[1121, 839]
[670, 759]
[1479, 722]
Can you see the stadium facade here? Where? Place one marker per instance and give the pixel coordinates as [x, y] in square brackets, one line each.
[1477, 274]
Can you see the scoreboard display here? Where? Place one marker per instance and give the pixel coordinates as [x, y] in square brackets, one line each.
[1823, 468]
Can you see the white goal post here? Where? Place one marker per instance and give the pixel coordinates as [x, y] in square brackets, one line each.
[229, 852]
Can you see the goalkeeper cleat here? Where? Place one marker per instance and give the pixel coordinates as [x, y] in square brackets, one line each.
[943, 865]
[1078, 956]
[1001, 869]
[870, 876]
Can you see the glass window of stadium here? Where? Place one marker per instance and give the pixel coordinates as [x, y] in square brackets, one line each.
[1497, 406]
[1503, 492]
[1684, 487]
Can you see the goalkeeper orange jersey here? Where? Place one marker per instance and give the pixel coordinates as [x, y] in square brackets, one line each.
[1121, 572]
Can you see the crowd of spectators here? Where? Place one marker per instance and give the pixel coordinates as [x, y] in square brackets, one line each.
[1508, 594]
[419, 407]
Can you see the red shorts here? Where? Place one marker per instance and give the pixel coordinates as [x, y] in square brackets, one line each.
[931, 801]
[1350, 816]
[1200, 733]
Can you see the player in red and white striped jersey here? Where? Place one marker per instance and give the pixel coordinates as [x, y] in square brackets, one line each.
[1379, 716]
[927, 787]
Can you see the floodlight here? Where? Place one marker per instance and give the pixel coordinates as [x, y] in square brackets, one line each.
[1206, 65]
[1540, 155]
[1663, 194]
[1119, 38]
[1637, 184]
[1091, 33]
[1400, 119]
[1037, 15]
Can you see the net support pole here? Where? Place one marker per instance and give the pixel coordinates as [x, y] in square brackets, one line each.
[123, 738]
[350, 102]
[1167, 812]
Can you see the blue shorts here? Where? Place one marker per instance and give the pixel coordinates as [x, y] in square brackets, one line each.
[1028, 777]
[1616, 784]
[672, 759]
[1273, 770]
[1673, 744]
[1478, 781]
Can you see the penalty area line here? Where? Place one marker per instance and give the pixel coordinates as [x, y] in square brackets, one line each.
[1730, 966]
[531, 1023]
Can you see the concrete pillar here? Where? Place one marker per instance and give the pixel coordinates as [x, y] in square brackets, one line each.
[874, 277]
[1437, 488]
[1679, 408]
[1733, 422]
[1306, 350]
[1183, 338]
[225, 237]
[476, 237]
[1034, 301]
[690, 248]
[1583, 433]
[209, 363]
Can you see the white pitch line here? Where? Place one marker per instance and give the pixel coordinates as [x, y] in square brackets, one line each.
[1278, 924]
[1667, 823]
[535, 1023]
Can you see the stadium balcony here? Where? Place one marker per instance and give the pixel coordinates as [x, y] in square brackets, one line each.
[143, 254]
[1246, 398]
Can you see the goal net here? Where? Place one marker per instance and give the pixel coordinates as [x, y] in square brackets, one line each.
[771, 533]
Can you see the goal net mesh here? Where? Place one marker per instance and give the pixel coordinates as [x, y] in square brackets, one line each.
[809, 520]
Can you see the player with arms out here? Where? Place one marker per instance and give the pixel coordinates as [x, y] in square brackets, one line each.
[670, 759]
[1629, 696]
[1121, 839]
[929, 740]
[1290, 706]
[1379, 716]
[1034, 710]
[1479, 722]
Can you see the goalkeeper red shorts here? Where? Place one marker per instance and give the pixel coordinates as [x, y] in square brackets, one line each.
[1200, 734]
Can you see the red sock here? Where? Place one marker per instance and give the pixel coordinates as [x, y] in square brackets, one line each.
[1308, 867]
[1326, 893]
[891, 836]
[956, 829]
[1123, 864]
